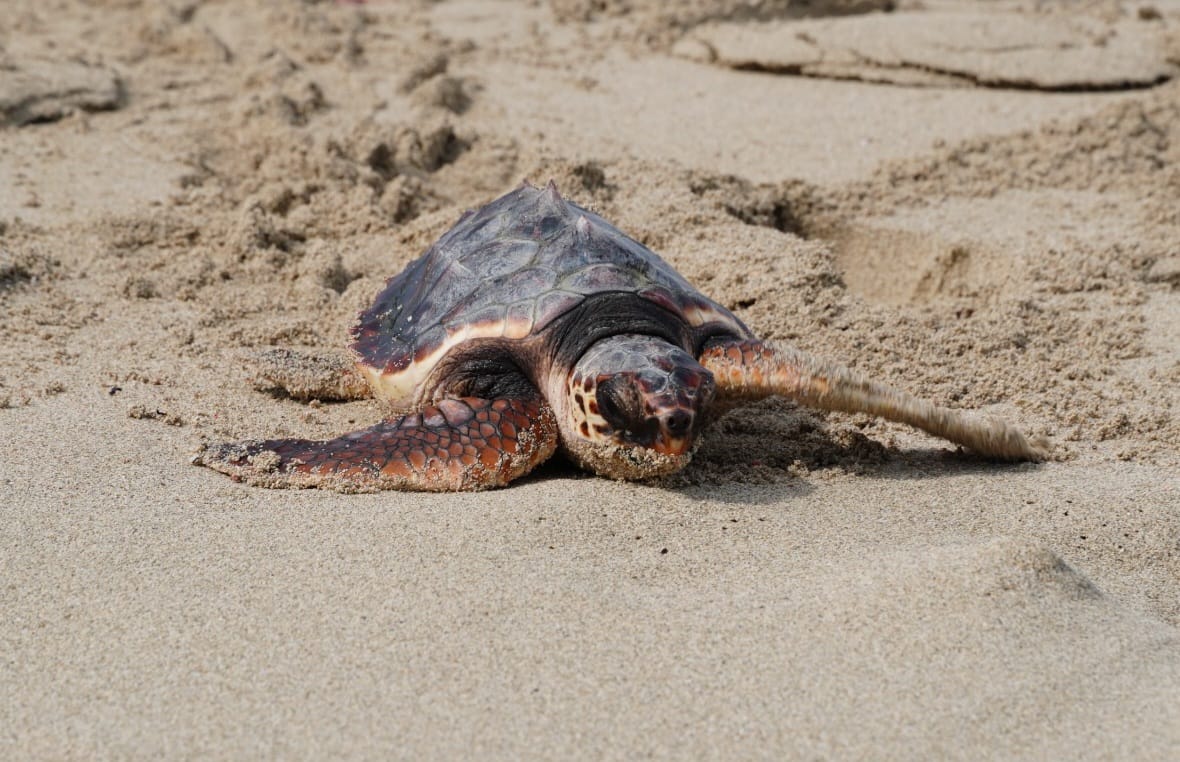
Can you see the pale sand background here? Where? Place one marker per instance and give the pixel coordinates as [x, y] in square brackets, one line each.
[907, 198]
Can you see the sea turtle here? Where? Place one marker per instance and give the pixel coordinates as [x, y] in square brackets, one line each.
[535, 325]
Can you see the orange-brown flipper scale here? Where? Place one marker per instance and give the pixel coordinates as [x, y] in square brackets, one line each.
[459, 444]
[752, 369]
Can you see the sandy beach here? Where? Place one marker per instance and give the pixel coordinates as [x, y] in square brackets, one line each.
[978, 202]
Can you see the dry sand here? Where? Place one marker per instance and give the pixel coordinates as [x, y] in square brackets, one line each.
[993, 227]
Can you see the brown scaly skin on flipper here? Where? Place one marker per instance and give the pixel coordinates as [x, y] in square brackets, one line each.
[750, 370]
[460, 444]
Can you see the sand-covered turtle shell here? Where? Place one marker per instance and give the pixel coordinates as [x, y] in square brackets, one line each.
[507, 271]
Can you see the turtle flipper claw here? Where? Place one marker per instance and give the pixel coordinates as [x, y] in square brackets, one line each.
[459, 444]
[751, 369]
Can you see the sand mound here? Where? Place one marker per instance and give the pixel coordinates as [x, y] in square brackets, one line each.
[35, 90]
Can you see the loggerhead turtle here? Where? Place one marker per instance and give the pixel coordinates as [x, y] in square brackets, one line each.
[534, 325]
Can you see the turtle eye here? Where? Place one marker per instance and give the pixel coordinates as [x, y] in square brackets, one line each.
[619, 403]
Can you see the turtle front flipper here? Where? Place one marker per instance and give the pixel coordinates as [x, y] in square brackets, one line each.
[751, 369]
[460, 444]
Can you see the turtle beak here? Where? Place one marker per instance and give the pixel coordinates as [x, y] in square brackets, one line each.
[674, 435]
[675, 447]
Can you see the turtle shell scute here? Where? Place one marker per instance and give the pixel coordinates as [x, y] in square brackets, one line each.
[508, 270]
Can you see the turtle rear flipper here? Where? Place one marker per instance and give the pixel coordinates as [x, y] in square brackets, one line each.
[460, 444]
[751, 369]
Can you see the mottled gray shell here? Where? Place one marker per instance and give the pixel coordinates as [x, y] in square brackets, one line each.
[508, 270]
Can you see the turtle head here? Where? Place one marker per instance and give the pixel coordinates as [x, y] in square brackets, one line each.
[635, 406]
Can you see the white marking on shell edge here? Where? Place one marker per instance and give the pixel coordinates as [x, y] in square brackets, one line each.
[697, 316]
[403, 388]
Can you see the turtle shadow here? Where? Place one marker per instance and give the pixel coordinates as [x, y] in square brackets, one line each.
[926, 463]
[560, 471]
[764, 486]
[774, 441]
[774, 450]
[764, 483]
